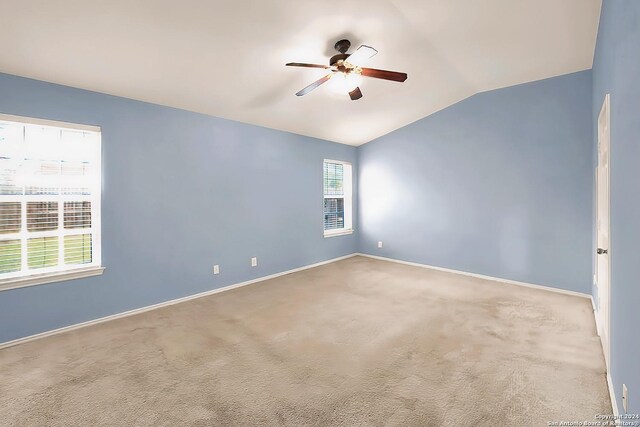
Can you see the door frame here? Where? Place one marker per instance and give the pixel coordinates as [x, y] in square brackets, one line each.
[603, 315]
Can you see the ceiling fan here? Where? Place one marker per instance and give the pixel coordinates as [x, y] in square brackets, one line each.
[346, 70]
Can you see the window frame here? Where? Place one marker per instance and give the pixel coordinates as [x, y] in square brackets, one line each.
[55, 274]
[347, 197]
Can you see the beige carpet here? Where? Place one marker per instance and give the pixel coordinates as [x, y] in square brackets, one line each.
[357, 342]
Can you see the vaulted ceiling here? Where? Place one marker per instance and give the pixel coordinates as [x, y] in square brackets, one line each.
[226, 57]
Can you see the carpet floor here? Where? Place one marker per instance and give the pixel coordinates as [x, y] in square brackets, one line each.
[355, 342]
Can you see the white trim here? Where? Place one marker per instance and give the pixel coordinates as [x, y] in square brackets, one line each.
[612, 393]
[595, 315]
[61, 270]
[41, 279]
[480, 276]
[45, 122]
[347, 196]
[96, 206]
[337, 232]
[604, 313]
[340, 162]
[612, 396]
[165, 303]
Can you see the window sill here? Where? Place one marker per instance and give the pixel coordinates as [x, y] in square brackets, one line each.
[335, 233]
[41, 279]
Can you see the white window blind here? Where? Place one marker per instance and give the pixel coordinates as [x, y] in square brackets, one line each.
[49, 197]
[337, 197]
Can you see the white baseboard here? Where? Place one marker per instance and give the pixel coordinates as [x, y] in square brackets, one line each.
[595, 315]
[612, 395]
[480, 276]
[164, 304]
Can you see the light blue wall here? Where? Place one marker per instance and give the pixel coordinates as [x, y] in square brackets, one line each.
[498, 184]
[181, 192]
[616, 70]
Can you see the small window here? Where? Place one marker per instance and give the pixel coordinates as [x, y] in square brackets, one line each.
[337, 198]
[49, 197]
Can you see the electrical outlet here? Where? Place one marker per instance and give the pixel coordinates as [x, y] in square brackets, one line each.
[254, 262]
[625, 398]
[379, 244]
[216, 269]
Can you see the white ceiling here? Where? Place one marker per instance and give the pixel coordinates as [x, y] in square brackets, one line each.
[226, 57]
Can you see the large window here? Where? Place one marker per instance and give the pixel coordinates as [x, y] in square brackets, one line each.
[49, 198]
[337, 198]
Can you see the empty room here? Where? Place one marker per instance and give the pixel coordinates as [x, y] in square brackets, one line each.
[340, 213]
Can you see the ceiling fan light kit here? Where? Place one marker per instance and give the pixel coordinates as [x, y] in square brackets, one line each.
[346, 71]
[342, 83]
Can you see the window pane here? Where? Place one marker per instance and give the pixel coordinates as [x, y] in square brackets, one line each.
[76, 177]
[10, 258]
[11, 155]
[333, 214]
[333, 179]
[77, 249]
[42, 216]
[41, 166]
[9, 183]
[77, 214]
[79, 146]
[10, 217]
[41, 176]
[42, 252]
[43, 143]
[11, 134]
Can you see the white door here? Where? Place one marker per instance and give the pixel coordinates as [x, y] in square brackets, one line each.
[602, 227]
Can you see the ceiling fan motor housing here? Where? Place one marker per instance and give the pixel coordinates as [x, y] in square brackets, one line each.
[343, 45]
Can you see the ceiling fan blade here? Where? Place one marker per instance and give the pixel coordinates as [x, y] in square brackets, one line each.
[355, 94]
[363, 53]
[314, 85]
[384, 74]
[300, 64]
